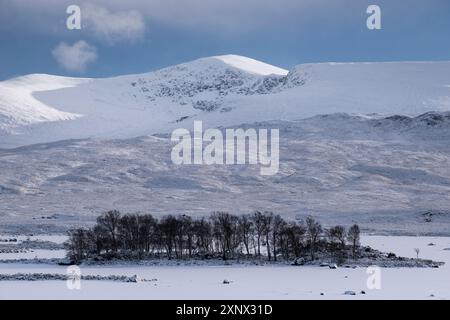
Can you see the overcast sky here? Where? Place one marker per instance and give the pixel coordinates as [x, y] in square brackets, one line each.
[133, 36]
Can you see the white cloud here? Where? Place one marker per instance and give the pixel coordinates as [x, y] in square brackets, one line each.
[75, 58]
[118, 20]
[113, 27]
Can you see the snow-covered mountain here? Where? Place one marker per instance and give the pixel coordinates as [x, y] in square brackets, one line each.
[362, 142]
[222, 91]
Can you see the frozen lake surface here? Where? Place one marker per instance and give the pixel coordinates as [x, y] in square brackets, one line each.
[33, 254]
[250, 282]
[58, 239]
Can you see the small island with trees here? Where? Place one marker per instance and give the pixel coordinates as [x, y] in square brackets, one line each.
[261, 238]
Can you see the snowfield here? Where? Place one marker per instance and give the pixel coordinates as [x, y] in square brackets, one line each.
[249, 282]
[28, 254]
[19, 239]
[390, 175]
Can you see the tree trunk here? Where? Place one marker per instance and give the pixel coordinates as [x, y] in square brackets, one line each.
[269, 255]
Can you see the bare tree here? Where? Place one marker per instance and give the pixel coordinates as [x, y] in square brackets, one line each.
[147, 230]
[354, 237]
[417, 251]
[259, 224]
[267, 229]
[338, 234]
[246, 231]
[78, 245]
[128, 232]
[187, 233]
[226, 232]
[169, 226]
[203, 235]
[313, 231]
[110, 223]
[278, 225]
[99, 239]
[295, 233]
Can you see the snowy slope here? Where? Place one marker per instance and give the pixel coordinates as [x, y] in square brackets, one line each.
[389, 88]
[222, 91]
[250, 65]
[388, 174]
[18, 106]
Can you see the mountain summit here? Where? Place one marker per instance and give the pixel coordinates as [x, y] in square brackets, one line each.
[248, 65]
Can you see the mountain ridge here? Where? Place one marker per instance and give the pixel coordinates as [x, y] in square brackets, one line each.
[221, 91]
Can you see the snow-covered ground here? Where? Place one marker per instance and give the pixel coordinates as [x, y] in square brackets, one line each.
[29, 247]
[387, 174]
[250, 282]
[57, 239]
[29, 254]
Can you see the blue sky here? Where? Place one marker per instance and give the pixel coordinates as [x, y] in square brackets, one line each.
[122, 37]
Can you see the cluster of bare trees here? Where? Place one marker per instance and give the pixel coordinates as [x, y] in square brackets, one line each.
[221, 235]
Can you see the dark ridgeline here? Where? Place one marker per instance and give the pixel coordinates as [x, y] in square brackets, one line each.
[261, 235]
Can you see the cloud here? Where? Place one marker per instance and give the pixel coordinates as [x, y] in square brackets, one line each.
[119, 20]
[113, 27]
[233, 16]
[75, 58]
